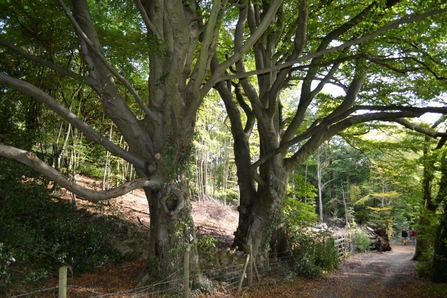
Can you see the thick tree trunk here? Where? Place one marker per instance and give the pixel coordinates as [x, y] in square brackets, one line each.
[164, 136]
[171, 233]
[258, 221]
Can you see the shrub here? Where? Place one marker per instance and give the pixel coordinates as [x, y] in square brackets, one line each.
[427, 235]
[326, 255]
[362, 241]
[6, 259]
[312, 252]
[206, 247]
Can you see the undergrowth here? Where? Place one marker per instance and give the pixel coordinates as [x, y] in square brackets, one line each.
[38, 234]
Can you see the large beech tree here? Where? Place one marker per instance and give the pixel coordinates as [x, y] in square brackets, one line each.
[181, 38]
[377, 53]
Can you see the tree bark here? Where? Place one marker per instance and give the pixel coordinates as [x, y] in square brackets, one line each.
[430, 204]
[258, 221]
[438, 272]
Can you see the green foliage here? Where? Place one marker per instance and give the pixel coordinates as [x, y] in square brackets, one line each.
[298, 207]
[362, 241]
[297, 212]
[426, 237]
[300, 187]
[206, 247]
[424, 264]
[312, 252]
[40, 234]
[431, 290]
[326, 255]
[6, 259]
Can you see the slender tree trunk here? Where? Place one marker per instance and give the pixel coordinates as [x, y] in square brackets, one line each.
[225, 174]
[106, 175]
[345, 205]
[320, 184]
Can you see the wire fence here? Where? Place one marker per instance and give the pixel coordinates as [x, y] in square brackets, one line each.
[226, 280]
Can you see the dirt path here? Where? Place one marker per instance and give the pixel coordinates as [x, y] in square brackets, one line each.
[390, 274]
[370, 275]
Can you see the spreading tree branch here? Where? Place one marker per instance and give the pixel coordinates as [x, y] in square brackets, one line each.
[418, 128]
[90, 133]
[325, 130]
[103, 59]
[393, 25]
[31, 160]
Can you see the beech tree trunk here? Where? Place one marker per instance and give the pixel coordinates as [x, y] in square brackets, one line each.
[171, 232]
[258, 221]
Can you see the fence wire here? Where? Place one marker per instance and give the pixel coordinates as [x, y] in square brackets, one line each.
[218, 279]
[38, 292]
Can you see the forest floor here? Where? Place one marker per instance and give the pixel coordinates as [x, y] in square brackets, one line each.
[388, 274]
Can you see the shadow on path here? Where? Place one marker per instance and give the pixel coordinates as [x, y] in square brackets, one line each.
[371, 274]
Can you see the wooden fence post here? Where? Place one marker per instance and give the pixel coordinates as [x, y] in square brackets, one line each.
[250, 267]
[62, 282]
[239, 288]
[186, 273]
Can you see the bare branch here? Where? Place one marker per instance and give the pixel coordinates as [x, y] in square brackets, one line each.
[150, 27]
[103, 59]
[31, 160]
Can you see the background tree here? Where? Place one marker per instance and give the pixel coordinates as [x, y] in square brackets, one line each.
[347, 167]
[213, 171]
